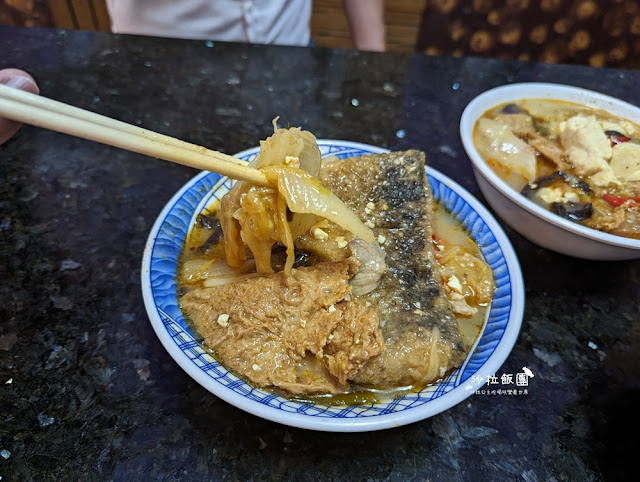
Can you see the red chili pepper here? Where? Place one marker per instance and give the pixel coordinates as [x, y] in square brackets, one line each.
[617, 138]
[619, 201]
[437, 241]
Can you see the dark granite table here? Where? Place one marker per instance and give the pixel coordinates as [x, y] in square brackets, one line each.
[87, 392]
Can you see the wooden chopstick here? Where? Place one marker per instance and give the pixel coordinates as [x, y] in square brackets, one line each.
[57, 116]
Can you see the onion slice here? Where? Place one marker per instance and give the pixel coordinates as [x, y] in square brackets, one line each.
[306, 195]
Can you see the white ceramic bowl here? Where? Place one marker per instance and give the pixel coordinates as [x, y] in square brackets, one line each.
[540, 226]
[484, 359]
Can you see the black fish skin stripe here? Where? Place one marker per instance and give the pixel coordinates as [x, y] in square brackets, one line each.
[398, 179]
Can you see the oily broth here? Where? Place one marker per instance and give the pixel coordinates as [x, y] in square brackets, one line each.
[446, 227]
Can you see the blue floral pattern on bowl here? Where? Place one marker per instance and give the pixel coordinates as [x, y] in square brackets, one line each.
[500, 332]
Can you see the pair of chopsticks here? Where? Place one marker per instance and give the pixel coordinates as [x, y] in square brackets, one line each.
[60, 117]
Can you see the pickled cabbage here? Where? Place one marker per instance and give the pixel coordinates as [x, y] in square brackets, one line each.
[260, 216]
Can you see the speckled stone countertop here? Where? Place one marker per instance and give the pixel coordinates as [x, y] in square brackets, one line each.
[87, 392]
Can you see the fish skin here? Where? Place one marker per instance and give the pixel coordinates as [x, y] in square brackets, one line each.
[390, 192]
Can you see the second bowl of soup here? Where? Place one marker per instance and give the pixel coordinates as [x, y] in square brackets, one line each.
[559, 164]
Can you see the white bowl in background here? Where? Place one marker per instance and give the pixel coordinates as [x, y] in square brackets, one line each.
[535, 223]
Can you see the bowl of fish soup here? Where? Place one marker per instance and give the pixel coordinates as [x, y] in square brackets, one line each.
[532, 219]
[492, 345]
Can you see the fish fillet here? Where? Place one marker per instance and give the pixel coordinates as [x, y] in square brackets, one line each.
[390, 193]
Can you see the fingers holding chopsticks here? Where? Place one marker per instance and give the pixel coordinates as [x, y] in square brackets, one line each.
[17, 79]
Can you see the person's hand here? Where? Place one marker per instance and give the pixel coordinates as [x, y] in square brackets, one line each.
[19, 80]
